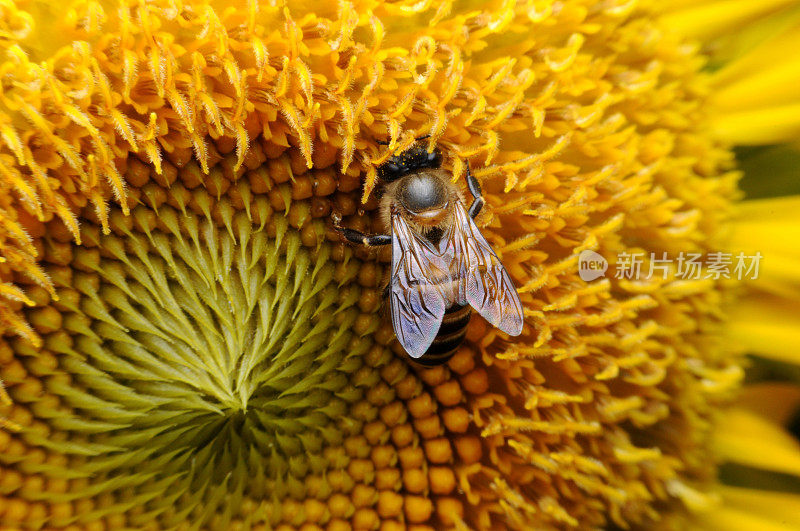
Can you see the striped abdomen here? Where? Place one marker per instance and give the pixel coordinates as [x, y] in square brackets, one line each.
[450, 336]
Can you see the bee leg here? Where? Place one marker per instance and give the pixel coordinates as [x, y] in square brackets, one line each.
[355, 236]
[368, 240]
[475, 190]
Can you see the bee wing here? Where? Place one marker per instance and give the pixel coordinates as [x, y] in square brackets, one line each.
[417, 305]
[484, 283]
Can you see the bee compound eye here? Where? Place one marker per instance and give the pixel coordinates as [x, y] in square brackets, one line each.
[435, 159]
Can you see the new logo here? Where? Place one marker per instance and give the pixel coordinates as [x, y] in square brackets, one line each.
[591, 265]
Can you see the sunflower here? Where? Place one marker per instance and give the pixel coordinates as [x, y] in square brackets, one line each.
[189, 344]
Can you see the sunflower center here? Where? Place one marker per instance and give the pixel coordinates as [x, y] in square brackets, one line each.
[208, 339]
[211, 327]
[218, 313]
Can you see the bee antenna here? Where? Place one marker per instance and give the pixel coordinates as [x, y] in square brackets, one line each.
[423, 137]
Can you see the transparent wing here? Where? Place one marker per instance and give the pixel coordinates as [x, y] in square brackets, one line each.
[417, 305]
[484, 283]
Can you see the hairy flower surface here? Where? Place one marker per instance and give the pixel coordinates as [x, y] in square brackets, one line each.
[188, 344]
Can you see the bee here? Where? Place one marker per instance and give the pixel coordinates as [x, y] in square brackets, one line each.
[442, 266]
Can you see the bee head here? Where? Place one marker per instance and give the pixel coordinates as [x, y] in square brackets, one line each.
[410, 161]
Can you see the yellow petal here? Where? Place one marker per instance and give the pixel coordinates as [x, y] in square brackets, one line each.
[772, 86]
[735, 53]
[765, 47]
[778, 209]
[770, 227]
[745, 509]
[768, 125]
[775, 508]
[767, 326]
[748, 439]
[755, 94]
[725, 518]
[704, 20]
